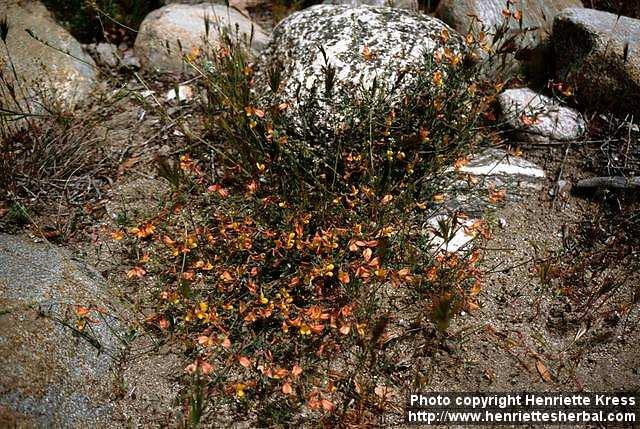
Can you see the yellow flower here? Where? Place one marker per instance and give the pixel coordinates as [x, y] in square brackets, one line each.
[192, 242]
[201, 311]
[193, 54]
[240, 390]
[305, 329]
[328, 270]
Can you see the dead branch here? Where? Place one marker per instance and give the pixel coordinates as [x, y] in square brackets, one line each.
[614, 182]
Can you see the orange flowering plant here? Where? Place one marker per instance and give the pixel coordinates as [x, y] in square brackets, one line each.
[295, 267]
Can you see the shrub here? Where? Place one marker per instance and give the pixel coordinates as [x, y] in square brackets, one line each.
[289, 260]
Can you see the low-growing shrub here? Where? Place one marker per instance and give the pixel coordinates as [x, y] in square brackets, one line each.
[298, 267]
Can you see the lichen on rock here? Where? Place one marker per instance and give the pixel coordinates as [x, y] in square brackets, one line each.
[327, 57]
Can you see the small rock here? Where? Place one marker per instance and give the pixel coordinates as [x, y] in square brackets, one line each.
[538, 118]
[363, 44]
[184, 93]
[496, 162]
[105, 54]
[561, 189]
[537, 15]
[169, 33]
[598, 54]
[129, 60]
[490, 178]
[451, 234]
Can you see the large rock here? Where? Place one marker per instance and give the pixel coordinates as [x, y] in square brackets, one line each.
[172, 31]
[362, 45]
[402, 4]
[537, 15]
[539, 118]
[54, 68]
[598, 54]
[53, 374]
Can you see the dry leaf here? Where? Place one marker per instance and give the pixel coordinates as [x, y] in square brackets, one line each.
[328, 405]
[384, 392]
[544, 372]
[128, 164]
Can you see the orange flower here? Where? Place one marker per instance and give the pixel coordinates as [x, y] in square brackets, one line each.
[117, 235]
[163, 323]
[244, 361]
[82, 311]
[136, 272]
[317, 328]
[432, 274]
[143, 231]
[424, 134]
[497, 196]
[343, 277]
[437, 78]
[366, 53]
[328, 405]
[444, 35]
[528, 120]
[460, 162]
[193, 54]
[206, 368]
[254, 111]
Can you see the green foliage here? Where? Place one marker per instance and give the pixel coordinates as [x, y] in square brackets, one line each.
[384, 142]
[87, 20]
